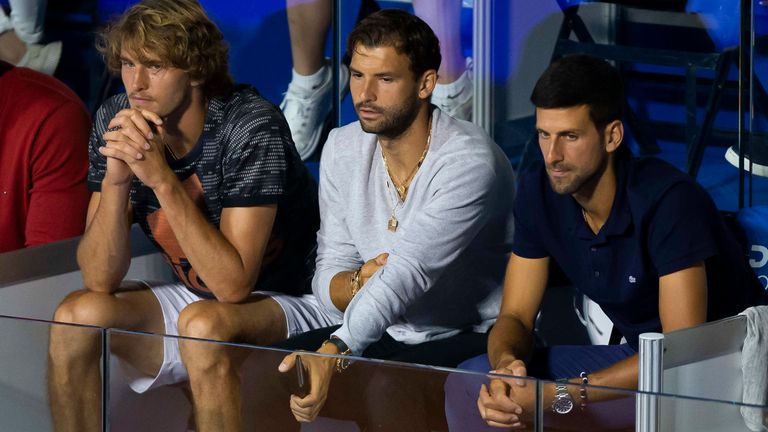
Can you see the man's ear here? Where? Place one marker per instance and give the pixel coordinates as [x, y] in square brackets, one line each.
[614, 135]
[427, 83]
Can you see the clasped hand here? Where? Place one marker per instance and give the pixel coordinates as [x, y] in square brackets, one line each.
[508, 402]
[132, 148]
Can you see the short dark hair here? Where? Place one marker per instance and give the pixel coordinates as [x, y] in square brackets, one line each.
[582, 80]
[177, 31]
[406, 33]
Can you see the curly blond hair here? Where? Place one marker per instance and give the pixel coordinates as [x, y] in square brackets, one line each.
[178, 32]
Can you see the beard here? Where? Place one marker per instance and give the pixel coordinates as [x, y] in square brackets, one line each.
[575, 181]
[394, 120]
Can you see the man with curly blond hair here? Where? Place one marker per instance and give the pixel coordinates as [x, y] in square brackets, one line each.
[208, 170]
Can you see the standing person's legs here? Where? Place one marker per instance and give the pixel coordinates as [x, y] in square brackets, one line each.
[74, 376]
[20, 34]
[453, 93]
[308, 24]
[266, 318]
[12, 48]
[444, 17]
[28, 17]
[308, 99]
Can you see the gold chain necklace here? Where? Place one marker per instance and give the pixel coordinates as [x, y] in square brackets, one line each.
[402, 190]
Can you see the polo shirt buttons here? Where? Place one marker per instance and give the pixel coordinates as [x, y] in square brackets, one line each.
[593, 249]
[597, 273]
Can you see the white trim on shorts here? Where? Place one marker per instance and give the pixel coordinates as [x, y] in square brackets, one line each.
[302, 314]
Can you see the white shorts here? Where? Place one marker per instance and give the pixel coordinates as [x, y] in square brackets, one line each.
[301, 314]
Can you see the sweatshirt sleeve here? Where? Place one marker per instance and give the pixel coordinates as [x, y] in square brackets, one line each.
[455, 207]
[335, 250]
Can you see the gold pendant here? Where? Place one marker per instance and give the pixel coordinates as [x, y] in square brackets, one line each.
[401, 191]
[392, 224]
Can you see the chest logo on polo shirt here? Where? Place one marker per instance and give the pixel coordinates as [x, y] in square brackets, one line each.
[632, 279]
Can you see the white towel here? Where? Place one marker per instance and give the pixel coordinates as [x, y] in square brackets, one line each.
[754, 366]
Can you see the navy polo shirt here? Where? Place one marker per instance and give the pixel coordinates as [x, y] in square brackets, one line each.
[661, 222]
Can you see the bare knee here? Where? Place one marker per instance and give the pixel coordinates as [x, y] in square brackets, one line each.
[69, 343]
[86, 308]
[207, 319]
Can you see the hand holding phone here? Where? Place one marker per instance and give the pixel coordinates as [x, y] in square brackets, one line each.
[302, 386]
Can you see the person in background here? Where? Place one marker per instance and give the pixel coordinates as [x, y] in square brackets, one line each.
[43, 159]
[20, 36]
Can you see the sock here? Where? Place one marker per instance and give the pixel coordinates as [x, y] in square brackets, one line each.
[311, 82]
[452, 89]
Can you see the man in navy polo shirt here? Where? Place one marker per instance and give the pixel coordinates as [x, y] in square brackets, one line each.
[637, 236]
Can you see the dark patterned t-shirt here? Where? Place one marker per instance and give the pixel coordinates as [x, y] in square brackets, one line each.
[244, 157]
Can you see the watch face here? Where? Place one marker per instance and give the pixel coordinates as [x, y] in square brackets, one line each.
[562, 405]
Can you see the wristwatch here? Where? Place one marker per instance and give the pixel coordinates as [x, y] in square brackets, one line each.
[563, 402]
[341, 363]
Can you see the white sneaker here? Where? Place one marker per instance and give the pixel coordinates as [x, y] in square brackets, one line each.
[455, 99]
[306, 110]
[758, 158]
[42, 58]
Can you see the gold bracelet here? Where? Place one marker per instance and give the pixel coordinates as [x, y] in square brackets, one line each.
[342, 363]
[354, 281]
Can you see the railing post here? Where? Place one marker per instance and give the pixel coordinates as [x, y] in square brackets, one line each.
[649, 379]
[482, 30]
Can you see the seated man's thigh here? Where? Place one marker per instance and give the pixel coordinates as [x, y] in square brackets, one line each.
[133, 307]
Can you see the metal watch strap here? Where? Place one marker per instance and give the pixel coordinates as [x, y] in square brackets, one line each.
[562, 402]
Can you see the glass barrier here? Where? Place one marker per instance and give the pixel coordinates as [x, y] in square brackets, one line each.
[377, 395]
[366, 395]
[63, 381]
[38, 385]
[600, 408]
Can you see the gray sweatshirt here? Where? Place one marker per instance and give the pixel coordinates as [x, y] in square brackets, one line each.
[448, 256]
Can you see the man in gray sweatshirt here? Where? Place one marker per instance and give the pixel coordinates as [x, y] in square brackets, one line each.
[416, 225]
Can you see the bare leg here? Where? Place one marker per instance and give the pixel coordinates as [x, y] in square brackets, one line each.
[444, 16]
[12, 49]
[74, 376]
[308, 24]
[28, 18]
[308, 100]
[213, 368]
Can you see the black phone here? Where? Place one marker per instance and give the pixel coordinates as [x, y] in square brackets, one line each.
[296, 380]
[302, 386]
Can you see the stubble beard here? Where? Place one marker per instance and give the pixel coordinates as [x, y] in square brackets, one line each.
[563, 186]
[394, 122]
[579, 182]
